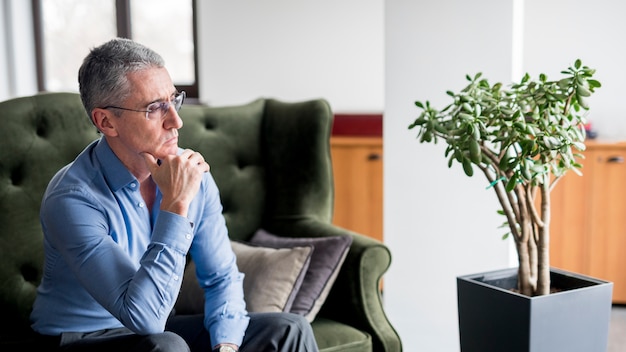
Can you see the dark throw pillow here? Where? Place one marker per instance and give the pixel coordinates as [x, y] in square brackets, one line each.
[272, 278]
[328, 256]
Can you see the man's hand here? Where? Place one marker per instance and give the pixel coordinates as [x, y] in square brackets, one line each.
[178, 178]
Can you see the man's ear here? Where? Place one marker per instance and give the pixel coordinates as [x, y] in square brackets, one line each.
[102, 119]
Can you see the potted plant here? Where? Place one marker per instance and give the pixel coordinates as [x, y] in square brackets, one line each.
[523, 138]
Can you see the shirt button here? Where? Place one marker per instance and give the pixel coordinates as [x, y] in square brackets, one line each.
[141, 204]
[188, 236]
[133, 185]
[176, 277]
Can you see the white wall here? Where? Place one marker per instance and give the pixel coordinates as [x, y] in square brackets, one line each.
[292, 50]
[438, 223]
[559, 31]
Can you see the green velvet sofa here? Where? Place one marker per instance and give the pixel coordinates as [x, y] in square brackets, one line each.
[271, 160]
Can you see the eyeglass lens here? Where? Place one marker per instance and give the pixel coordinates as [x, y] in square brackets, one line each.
[159, 110]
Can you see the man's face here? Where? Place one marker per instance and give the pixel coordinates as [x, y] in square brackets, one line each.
[137, 134]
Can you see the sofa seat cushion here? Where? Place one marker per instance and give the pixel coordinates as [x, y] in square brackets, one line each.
[333, 336]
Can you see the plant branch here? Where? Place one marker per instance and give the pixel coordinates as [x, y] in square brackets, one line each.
[530, 201]
[555, 180]
[505, 201]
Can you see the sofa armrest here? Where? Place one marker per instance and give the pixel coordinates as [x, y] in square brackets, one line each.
[355, 298]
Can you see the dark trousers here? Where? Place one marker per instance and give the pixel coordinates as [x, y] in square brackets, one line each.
[269, 332]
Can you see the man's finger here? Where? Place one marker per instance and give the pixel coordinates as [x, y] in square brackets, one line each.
[151, 161]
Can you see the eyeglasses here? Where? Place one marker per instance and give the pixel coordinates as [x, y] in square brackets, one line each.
[158, 110]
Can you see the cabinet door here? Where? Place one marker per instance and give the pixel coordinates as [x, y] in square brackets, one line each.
[588, 229]
[607, 242]
[358, 177]
[569, 231]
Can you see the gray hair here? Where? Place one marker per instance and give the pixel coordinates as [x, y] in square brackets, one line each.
[102, 78]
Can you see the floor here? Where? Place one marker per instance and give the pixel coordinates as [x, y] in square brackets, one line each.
[617, 329]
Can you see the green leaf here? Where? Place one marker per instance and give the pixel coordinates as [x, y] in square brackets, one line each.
[582, 102]
[477, 110]
[593, 83]
[466, 116]
[474, 149]
[440, 128]
[580, 145]
[511, 183]
[565, 82]
[467, 167]
[458, 155]
[421, 120]
[504, 163]
[419, 104]
[525, 170]
[476, 132]
[582, 91]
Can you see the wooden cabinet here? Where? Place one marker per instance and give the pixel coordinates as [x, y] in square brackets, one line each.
[588, 230]
[358, 177]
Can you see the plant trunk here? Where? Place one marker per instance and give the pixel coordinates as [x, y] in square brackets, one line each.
[526, 246]
[543, 243]
[524, 272]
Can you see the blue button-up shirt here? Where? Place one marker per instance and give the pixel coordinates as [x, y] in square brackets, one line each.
[110, 262]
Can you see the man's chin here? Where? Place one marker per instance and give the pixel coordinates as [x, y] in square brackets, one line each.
[170, 150]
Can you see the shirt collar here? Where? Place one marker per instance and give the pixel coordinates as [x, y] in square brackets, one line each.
[115, 173]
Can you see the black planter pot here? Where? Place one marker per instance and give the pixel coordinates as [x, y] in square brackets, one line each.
[492, 317]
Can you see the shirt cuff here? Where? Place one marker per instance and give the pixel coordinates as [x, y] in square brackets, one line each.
[173, 230]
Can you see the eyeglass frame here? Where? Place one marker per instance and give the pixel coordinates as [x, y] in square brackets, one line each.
[163, 105]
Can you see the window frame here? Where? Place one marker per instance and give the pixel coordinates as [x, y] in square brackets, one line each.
[124, 30]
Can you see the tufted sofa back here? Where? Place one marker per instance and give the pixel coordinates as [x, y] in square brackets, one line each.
[260, 154]
[39, 135]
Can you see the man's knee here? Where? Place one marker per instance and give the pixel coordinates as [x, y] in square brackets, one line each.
[287, 321]
[164, 342]
[298, 322]
[285, 332]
